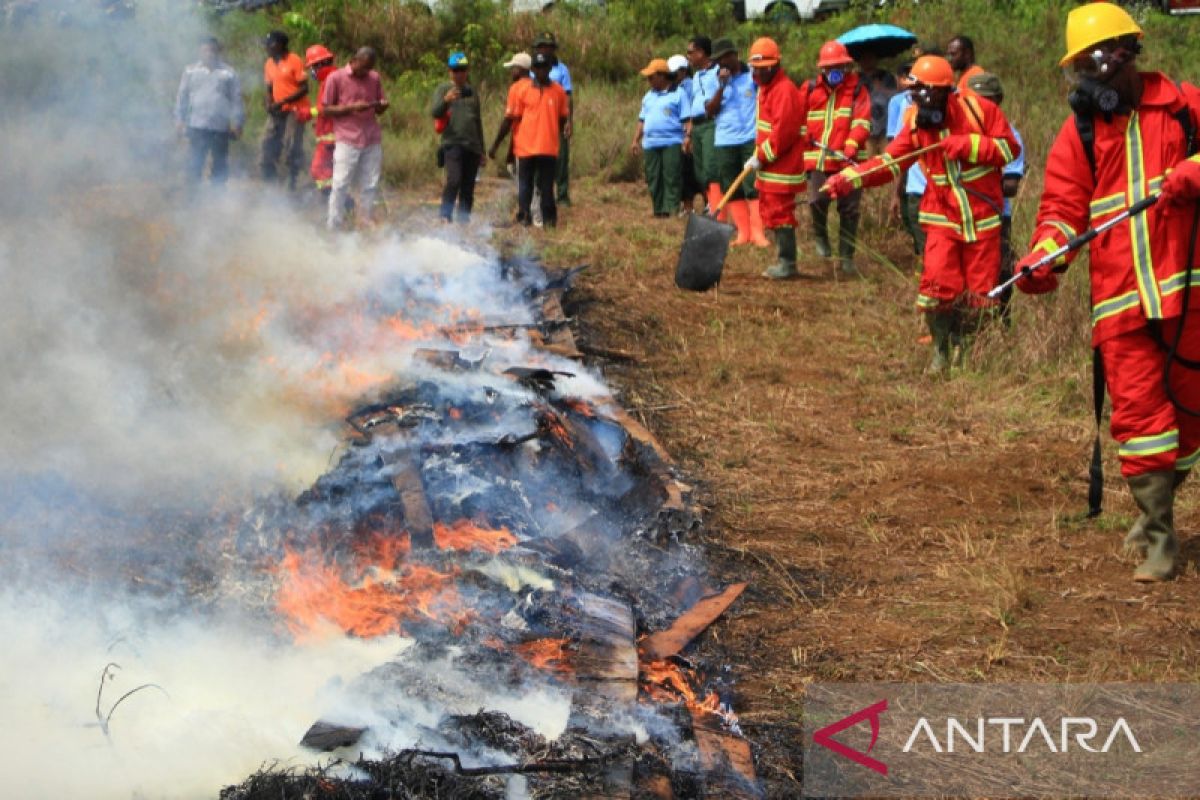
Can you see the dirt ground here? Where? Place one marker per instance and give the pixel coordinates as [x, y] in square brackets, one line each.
[893, 527]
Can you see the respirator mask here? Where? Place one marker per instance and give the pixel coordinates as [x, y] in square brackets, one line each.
[931, 106]
[834, 77]
[1089, 76]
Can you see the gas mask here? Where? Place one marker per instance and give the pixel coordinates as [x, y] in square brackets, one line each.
[931, 106]
[1090, 75]
[834, 77]
[319, 73]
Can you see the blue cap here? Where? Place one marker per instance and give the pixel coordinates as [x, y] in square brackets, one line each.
[457, 61]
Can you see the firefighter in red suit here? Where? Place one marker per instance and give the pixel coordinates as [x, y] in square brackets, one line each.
[320, 65]
[837, 123]
[961, 209]
[778, 153]
[1139, 126]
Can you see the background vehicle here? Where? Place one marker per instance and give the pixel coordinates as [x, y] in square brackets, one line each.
[786, 10]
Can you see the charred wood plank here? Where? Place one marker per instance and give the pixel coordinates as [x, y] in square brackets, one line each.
[418, 518]
[726, 760]
[689, 625]
[326, 736]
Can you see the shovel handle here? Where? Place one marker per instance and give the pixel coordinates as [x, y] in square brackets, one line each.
[919, 151]
[732, 188]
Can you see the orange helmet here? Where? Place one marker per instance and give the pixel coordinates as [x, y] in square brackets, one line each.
[316, 54]
[932, 71]
[833, 54]
[764, 53]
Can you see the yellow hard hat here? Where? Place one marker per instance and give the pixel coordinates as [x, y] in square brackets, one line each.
[1094, 23]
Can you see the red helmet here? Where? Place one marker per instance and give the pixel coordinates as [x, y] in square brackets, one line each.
[834, 54]
[316, 54]
[764, 53]
[932, 71]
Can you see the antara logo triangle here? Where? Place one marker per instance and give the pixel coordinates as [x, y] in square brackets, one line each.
[824, 736]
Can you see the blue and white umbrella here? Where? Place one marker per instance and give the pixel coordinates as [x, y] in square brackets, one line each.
[882, 40]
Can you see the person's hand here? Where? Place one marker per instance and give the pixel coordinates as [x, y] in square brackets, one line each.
[452, 95]
[958, 147]
[492, 153]
[838, 186]
[1040, 280]
[850, 149]
[568, 129]
[635, 148]
[687, 143]
[723, 75]
[380, 106]
[1182, 184]
[752, 163]
[483, 160]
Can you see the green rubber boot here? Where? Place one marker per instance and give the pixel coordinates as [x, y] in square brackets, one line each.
[821, 231]
[939, 328]
[785, 245]
[1136, 541]
[847, 238]
[1154, 493]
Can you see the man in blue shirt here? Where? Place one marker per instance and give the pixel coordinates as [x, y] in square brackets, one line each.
[546, 43]
[659, 138]
[699, 135]
[909, 191]
[209, 111]
[681, 81]
[735, 108]
[988, 86]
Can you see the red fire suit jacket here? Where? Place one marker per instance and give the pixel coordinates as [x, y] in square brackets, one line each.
[778, 143]
[963, 198]
[833, 118]
[1137, 267]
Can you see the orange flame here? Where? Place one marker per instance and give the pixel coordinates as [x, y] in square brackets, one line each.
[547, 654]
[466, 535]
[667, 682]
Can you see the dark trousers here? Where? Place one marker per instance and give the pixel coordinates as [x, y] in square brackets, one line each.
[562, 167]
[730, 161]
[202, 144]
[461, 168]
[664, 173]
[1008, 262]
[848, 207]
[691, 187]
[283, 135]
[539, 171]
[909, 211]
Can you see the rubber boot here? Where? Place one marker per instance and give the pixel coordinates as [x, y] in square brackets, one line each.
[714, 199]
[847, 238]
[785, 267]
[821, 232]
[756, 226]
[739, 212]
[939, 329]
[1136, 541]
[1154, 493]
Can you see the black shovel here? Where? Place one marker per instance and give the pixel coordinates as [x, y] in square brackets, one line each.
[705, 245]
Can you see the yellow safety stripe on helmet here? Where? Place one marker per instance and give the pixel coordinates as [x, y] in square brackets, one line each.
[1113, 306]
[1107, 205]
[768, 151]
[976, 139]
[1140, 446]
[763, 125]
[1139, 227]
[830, 110]
[779, 177]
[1005, 150]
[1184, 463]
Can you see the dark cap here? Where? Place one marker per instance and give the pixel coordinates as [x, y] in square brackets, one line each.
[542, 60]
[276, 36]
[723, 46]
[545, 38]
[985, 84]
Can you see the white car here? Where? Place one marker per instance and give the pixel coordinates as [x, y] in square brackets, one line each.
[786, 10]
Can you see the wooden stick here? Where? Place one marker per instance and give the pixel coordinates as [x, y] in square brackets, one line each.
[905, 157]
[732, 188]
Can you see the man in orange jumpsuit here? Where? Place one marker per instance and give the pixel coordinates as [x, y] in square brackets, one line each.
[319, 61]
[960, 211]
[778, 153]
[837, 106]
[1131, 133]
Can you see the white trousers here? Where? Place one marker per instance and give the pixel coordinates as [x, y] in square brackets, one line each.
[354, 165]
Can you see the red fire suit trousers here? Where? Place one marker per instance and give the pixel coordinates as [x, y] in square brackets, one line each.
[1152, 433]
[958, 273]
[777, 209]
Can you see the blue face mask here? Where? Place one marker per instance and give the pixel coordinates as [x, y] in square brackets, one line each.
[834, 77]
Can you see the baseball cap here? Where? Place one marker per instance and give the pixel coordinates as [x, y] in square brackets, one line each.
[985, 84]
[541, 60]
[545, 38]
[676, 63]
[521, 60]
[723, 46]
[656, 66]
[457, 60]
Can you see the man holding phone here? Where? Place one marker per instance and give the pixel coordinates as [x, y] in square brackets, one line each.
[353, 99]
[455, 102]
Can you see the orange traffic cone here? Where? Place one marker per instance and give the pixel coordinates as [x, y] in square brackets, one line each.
[756, 226]
[714, 199]
[739, 212]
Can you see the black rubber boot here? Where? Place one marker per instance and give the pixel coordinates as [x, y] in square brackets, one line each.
[939, 328]
[1136, 541]
[821, 231]
[785, 244]
[1154, 493]
[847, 238]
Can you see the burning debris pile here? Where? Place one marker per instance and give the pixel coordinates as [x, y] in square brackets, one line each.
[498, 512]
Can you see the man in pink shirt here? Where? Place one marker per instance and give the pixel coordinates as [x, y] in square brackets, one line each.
[353, 98]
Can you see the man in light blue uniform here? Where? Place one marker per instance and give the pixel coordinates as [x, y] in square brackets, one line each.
[909, 191]
[988, 86]
[546, 43]
[735, 108]
[699, 136]
[683, 83]
[659, 137]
